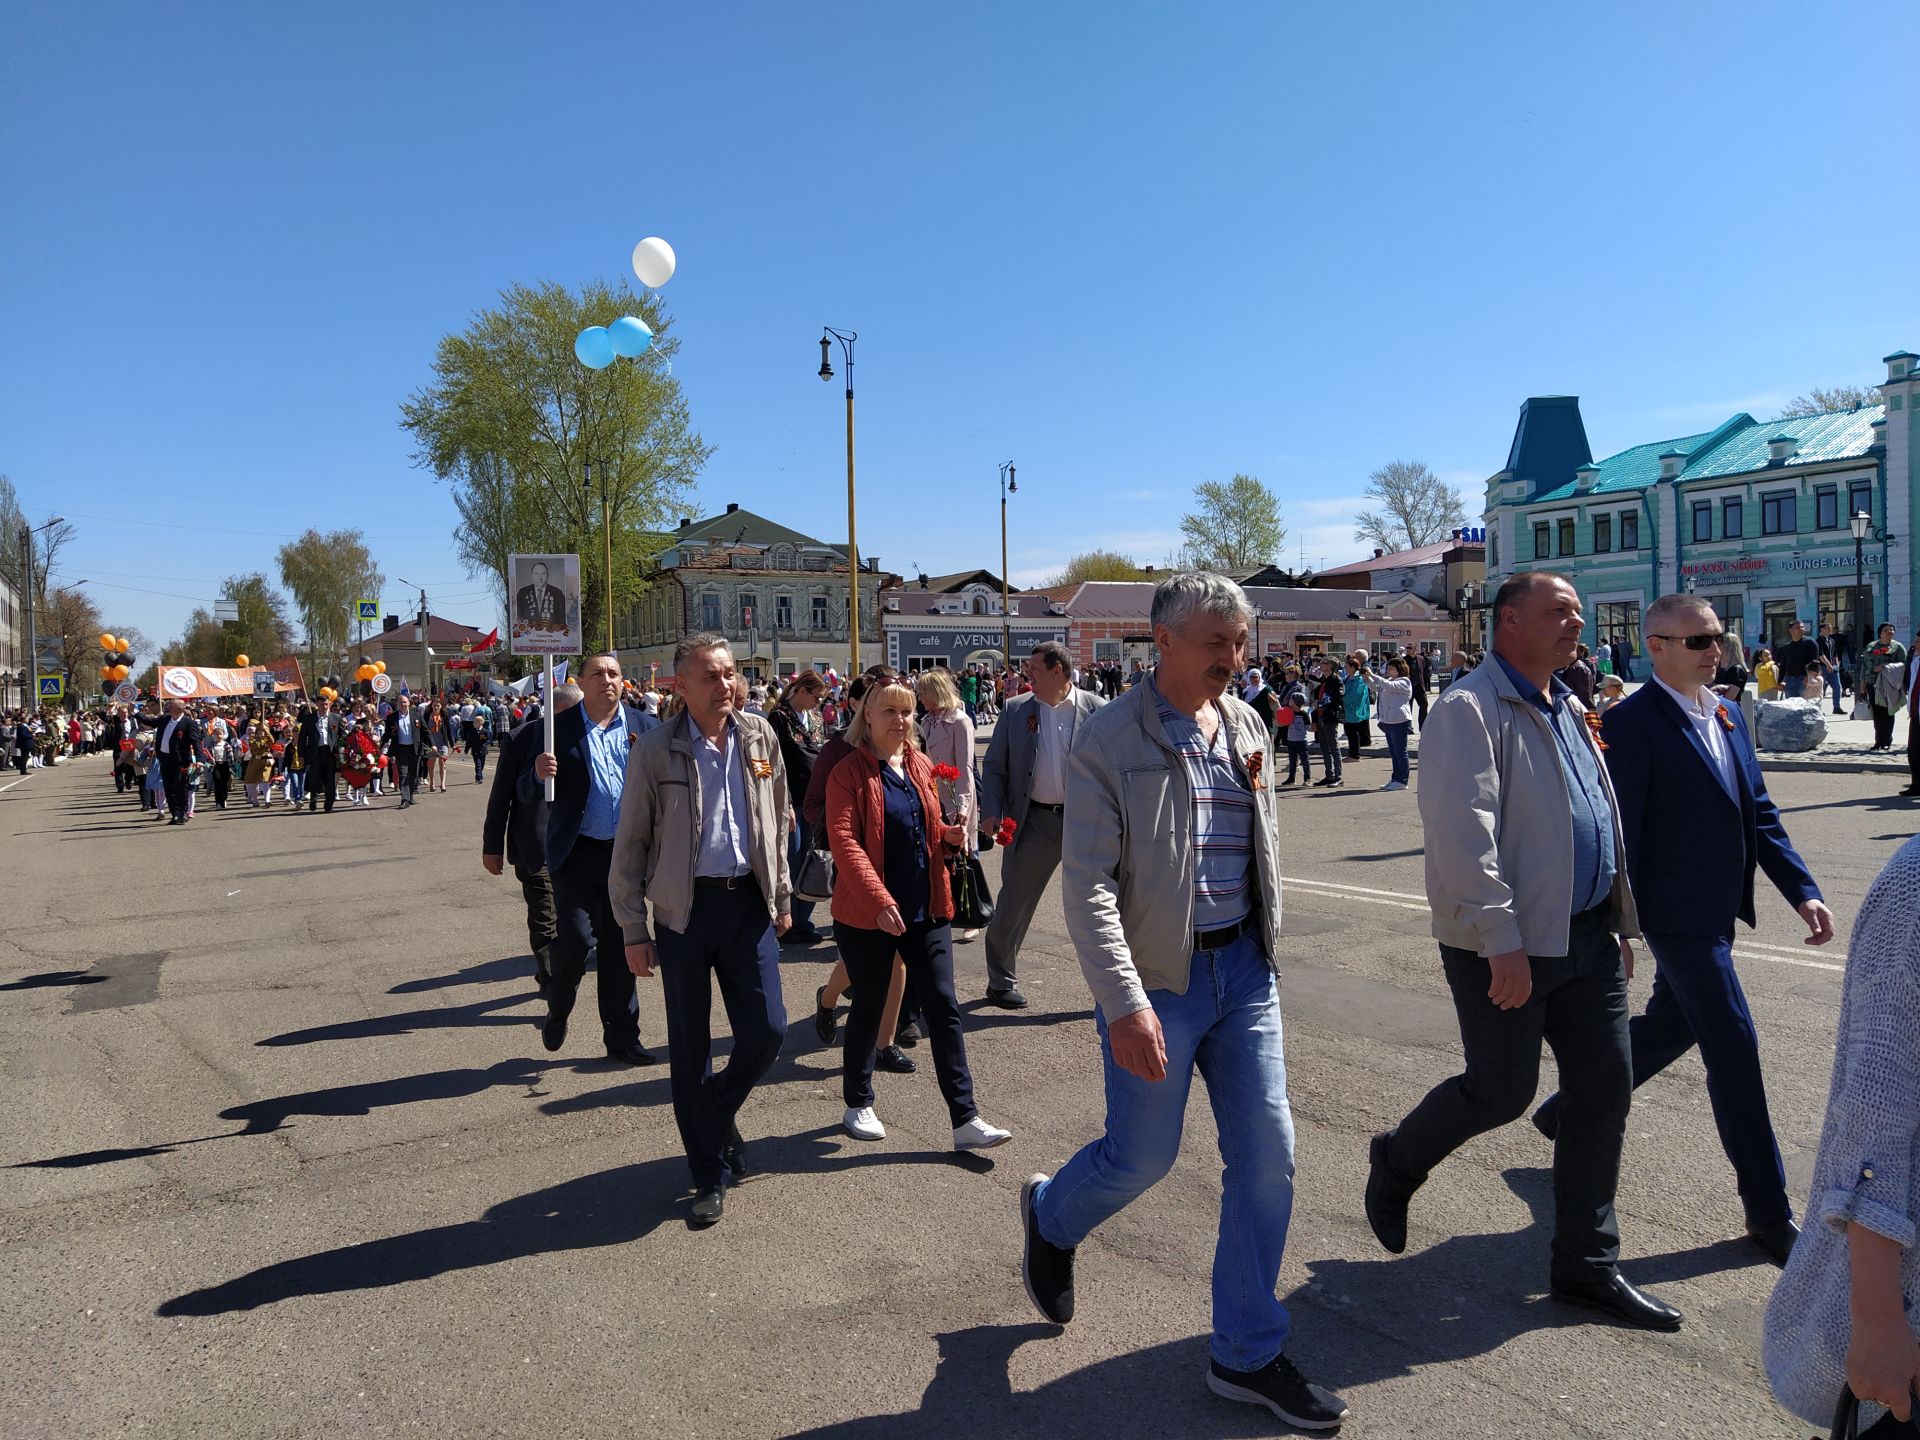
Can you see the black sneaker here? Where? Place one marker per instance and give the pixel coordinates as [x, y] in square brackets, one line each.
[1045, 1267]
[824, 1022]
[1386, 1199]
[1283, 1390]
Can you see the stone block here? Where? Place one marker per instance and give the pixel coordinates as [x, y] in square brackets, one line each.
[1789, 725]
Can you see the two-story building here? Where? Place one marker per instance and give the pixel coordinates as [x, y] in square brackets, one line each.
[778, 596]
[1436, 572]
[1755, 516]
[957, 620]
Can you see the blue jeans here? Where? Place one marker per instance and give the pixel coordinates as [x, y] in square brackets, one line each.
[1396, 734]
[296, 785]
[1833, 688]
[1227, 1024]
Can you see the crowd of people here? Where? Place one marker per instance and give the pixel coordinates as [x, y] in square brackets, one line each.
[692, 845]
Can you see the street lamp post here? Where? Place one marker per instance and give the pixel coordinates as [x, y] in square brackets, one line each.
[1008, 486]
[853, 543]
[1861, 523]
[426, 639]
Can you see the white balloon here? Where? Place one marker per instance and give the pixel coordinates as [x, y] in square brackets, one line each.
[653, 262]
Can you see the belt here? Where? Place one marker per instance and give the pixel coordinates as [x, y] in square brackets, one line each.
[1042, 805]
[1226, 934]
[724, 882]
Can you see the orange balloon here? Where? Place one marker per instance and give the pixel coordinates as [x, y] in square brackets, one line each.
[106, 642]
[106, 672]
[122, 646]
[365, 672]
[379, 667]
[241, 660]
[119, 672]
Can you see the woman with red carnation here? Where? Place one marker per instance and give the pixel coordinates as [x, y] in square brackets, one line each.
[947, 735]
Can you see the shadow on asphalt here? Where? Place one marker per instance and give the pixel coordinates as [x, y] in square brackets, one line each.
[614, 1207]
[407, 1022]
[486, 972]
[47, 978]
[1157, 1391]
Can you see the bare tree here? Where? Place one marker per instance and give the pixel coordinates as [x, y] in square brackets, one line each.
[1417, 507]
[1235, 526]
[1818, 401]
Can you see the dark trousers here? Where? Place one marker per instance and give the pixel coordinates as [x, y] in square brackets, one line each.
[323, 779]
[927, 950]
[1913, 751]
[1328, 738]
[1882, 726]
[173, 780]
[536, 887]
[1697, 1000]
[1420, 700]
[1579, 1007]
[479, 752]
[407, 761]
[584, 921]
[1359, 733]
[1299, 759]
[728, 938]
[222, 776]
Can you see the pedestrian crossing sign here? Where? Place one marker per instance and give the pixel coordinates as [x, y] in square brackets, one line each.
[369, 610]
[52, 687]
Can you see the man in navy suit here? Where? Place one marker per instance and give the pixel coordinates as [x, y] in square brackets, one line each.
[1697, 820]
[588, 766]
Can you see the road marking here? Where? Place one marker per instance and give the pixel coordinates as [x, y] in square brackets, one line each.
[1399, 899]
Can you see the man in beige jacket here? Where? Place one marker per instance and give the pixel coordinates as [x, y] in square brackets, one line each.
[1526, 877]
[703, 840]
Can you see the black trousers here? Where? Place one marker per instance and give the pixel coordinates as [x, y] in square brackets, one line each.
[222, 776]
[536, 888]
[173, 780]
[1579, 1007]
[1328, 738]
[927, 950]
[584, 921]
[407, 760]
[729, 938]
[1913, 751]
[323, 779]
[1882, 726]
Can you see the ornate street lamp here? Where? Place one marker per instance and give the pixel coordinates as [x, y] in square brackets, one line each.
[1007, 487]
[853, 543]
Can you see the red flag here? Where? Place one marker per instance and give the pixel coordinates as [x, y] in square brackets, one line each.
[492, 639]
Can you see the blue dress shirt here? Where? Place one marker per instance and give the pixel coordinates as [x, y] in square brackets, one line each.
[723, 801]
[1594, 862]
[606, 776]
[905, 847]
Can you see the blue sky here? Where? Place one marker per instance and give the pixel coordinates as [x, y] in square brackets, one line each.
[1129, 247]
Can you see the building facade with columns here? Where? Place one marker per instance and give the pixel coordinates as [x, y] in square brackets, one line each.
[1754, 516]
[778, 596]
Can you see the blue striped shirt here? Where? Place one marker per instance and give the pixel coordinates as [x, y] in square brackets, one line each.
[1222, 820]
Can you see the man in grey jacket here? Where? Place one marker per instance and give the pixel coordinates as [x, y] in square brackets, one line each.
[1526, 876]
[1024, 778]
[1173, 904]
[703, 840]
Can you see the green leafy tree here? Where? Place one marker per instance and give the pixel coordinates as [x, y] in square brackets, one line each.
[1235, 525]
[1417, 507]
[513, 420]
[326, 575]
[1098, 565]
[1818, 401]
[261, 633]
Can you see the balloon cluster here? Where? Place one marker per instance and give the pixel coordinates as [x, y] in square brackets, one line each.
[368, 669]
[113, 667]
[629, 337]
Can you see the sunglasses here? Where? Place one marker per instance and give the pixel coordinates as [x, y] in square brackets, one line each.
[1694, 642]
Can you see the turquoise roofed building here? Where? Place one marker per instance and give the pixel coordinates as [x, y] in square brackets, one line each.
[1755, 516]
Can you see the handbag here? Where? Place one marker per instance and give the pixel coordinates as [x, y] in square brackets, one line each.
[972, 900]
[813, 880]
[1846, 1416]
[1862, 710]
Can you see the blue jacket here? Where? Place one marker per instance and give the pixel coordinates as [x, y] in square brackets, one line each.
[570, 786]
[1691, 851]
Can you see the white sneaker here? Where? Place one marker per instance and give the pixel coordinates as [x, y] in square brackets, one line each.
[977, 1134]
[863, 1124]
[1394, 785]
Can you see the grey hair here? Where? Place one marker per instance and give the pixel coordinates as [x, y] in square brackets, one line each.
[566, 696]
[1180, 598]
[1054, 655]
[698, 641]
[1668, 606]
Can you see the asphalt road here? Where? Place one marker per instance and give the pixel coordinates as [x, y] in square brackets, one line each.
[284, 1157]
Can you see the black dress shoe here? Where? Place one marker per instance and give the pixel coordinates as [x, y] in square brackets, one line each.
[1615, 1295]
[823, 1021]
[734, 1156]
[1777, 1240]
[1547, 1122]
[895, 1060]
[1386, 1200]
[909, 1034]
[709, 1204]
[629, 1052]
[1007, 999]
[553, 1030]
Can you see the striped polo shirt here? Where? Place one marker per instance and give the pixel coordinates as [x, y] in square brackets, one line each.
[1222, 820]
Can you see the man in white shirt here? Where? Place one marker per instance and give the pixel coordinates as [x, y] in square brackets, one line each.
[1024, 779]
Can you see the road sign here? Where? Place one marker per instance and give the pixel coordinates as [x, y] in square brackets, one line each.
[126, 692]
[53, 687]
[263, 685]
[381, 683]
[368, 610]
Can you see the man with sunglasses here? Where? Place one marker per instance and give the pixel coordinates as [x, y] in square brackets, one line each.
[1697, 820]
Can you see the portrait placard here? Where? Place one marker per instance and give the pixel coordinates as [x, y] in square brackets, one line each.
[543, 605]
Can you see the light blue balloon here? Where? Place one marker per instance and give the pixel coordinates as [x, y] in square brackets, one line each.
[631, 337]
[593, 347]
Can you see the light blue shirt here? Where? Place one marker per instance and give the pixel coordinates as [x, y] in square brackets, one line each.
[1587, 804]
[404, 728]
[606, 776]
[723, 801]
[1223, 864]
